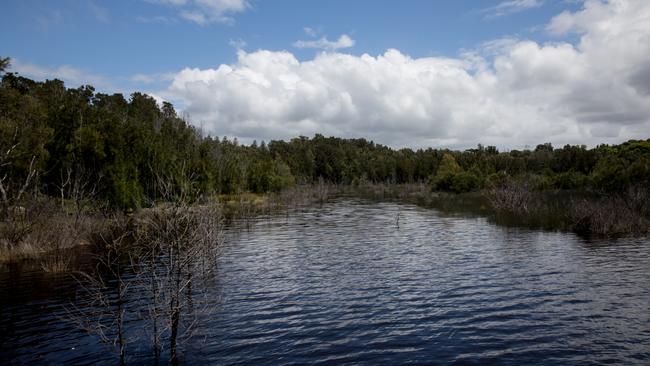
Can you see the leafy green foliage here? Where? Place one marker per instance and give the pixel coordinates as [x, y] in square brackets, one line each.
[570, 180]
[623, 165]
[452, 178]
[122, 147]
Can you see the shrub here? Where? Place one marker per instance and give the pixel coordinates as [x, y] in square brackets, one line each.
[569, 180]
[513, 196]
[464, 182]
[450, 177]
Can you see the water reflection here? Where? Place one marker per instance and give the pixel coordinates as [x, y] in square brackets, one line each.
[344, 283]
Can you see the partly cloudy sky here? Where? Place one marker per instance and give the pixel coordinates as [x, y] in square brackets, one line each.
[511, 73]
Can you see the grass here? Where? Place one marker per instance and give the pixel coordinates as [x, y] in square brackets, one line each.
[44, 233]
[584, 212]
[56, 264]
[47, 230]
[20, 251]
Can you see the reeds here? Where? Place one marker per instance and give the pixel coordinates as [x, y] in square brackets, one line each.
[56, 264]
[625, 212]
[44, 231]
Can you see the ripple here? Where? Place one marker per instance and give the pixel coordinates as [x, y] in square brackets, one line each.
[342, 284]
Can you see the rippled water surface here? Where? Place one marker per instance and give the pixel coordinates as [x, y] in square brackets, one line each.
[346, 284]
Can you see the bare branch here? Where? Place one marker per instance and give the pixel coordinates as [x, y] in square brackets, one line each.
[31, 173]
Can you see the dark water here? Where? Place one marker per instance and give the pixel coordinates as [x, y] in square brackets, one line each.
[343, 284]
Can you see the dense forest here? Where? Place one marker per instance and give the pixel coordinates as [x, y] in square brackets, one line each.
[58, 141]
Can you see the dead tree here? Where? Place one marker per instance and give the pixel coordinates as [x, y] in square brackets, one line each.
[101, 304]
[169, 252]
[11, 195]
[512, 196]
[178, 245]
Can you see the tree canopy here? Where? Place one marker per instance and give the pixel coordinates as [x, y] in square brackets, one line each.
[122, 146]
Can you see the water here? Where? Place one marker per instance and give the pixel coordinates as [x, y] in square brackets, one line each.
[344, 284]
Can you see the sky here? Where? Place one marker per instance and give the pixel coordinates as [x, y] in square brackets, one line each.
[510, 73]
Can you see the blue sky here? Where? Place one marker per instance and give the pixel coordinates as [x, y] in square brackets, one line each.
[120, 38]
[253, 68]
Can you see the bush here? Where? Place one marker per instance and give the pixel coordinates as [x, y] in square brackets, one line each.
[620, 213]
[464, 182]
[455, 182]
[281, 177]
[497, 179]
[450, 177]
[512, 196]
[569, 180]
[441, 182]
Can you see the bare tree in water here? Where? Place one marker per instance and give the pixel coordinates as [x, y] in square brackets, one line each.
[178, 245]
[169, 252]
[101, 305]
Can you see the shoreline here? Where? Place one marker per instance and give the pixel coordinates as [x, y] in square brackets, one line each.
[582, 212]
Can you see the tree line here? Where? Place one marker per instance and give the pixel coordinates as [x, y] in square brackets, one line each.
[57, 141]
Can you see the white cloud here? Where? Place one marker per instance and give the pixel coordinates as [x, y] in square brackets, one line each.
[510, 93]
[75, 77]
[152, 78]
[195, 16]
[69, 74]
[205, 12]
[238, 44]
[323, 43]
[158, 19]
[143, 78]
[511, 7]
[310, 31]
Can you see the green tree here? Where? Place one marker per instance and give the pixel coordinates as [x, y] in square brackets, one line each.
[447, 170]
[448, 165]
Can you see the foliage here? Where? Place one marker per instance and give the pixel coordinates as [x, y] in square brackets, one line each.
[570, 180]
[122, 146]
[452, 178]
[623, 165]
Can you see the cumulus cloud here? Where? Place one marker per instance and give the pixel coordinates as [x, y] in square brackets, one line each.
[510, 92]
[511, 7]
[323, 43]
[204, 12]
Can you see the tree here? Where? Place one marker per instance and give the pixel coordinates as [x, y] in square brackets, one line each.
[281, 176]
[4, 63]
[106, 290]
[448, 165]
[178, 247]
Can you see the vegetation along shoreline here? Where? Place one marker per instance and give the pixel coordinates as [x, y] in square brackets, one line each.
[72, 160]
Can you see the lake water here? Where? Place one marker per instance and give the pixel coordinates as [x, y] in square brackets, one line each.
[346, 283]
